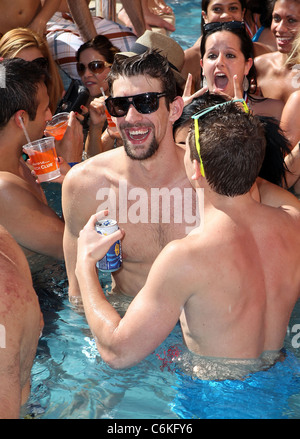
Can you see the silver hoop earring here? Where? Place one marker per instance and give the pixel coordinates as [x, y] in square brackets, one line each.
[245, 83]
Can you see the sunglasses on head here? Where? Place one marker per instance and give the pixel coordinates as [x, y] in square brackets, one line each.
[144, 103]
[93, 66]
[200, 114]
[207, 27]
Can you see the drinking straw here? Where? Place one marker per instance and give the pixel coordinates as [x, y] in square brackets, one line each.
[102, 91]
[25, 131]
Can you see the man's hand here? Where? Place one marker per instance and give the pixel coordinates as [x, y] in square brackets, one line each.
[71, 145]
[187, 96]
[92, 246]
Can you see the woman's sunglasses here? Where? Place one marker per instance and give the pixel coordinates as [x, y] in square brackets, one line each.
[41, 62]
[93, 66]
[144, 103]
[217, 25]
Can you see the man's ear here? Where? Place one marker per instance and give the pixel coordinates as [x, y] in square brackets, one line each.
[20, 118]
[197, 173]
[176, 108]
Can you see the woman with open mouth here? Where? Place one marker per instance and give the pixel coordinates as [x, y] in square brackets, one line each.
[226, 53]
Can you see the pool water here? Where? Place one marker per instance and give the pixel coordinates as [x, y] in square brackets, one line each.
[70, 380]
[188, 21]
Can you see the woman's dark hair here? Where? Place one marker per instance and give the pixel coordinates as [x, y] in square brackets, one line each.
[262, 7]
[246, 48]
[273, 168]
[102, 45]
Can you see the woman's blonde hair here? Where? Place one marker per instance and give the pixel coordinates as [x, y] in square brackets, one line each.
[294, 55]
[21, 38]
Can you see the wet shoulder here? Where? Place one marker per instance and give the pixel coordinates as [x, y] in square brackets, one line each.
[14, 185]
[265, 61]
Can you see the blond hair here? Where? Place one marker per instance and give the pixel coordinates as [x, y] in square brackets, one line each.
[294, 55]
[20, 38]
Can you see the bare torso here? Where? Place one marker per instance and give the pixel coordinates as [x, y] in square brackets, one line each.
[240, 315]
[274, 79]
[145, 236]
[18, 13]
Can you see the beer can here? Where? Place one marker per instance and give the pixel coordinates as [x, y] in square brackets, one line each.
[112, 261]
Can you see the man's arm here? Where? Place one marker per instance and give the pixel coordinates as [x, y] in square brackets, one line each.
[32, 223]
[40, 21]
[73, 205]
[83, 18]
[150, 317]
[134, 10]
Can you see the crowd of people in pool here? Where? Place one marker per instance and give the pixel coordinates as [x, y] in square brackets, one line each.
[218, 119]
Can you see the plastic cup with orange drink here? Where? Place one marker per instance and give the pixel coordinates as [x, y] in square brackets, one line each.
[42, 154]
[110, 122]
[57, 126]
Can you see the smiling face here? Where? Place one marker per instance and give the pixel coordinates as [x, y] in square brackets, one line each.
[141, 133]
[223, 10]
[222, 60]
[93, 81]
[285, 23]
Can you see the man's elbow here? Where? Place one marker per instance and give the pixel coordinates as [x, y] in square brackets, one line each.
[116, 360]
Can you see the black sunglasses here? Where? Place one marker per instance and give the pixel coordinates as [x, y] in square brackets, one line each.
[41, 62]
[218, 25]
[144, 103]
[94, 67]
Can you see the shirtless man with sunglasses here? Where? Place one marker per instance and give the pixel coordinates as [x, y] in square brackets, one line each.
[144, 106]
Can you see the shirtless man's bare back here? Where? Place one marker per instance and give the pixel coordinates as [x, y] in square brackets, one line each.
[21, 323]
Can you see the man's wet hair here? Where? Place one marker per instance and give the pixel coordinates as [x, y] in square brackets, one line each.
[152, 64]
[20, 87]
[273, 167]
[232, 147]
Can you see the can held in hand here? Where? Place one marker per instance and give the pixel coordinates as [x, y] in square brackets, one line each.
[112, 261]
